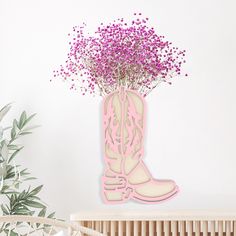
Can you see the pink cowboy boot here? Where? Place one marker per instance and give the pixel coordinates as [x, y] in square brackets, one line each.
[126, 176]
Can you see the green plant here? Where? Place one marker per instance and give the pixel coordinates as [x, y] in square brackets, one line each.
[18, 200]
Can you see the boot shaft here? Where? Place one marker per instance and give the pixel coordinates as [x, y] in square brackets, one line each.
[123, 122]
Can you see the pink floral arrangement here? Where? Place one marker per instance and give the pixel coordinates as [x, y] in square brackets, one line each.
[120, 54]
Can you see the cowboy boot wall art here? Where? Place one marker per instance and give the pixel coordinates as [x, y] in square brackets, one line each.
[126, 176]
[123, 63]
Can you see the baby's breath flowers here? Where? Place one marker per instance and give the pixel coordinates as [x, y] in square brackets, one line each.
[120, 54]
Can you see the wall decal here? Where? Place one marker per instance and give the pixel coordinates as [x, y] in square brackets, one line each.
[123, 62]
[126, 176]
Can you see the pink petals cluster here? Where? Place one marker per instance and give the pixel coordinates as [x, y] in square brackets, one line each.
[120, 54]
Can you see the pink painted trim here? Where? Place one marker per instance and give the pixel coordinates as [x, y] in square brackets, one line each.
[119, 147]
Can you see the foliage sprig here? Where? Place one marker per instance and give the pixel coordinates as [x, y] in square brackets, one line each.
[17, 199]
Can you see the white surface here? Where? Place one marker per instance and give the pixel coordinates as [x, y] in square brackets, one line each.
[191, 128]
[153, 215]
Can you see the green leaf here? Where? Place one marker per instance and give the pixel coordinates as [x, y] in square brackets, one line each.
[27, 120]
[4, 151]
[13, 133]
[4, 111]
[23, 118]
[10, 172]
[15, 125]
[22, 212]
[23, 172]
[42, 213]
[13, 147]
[25, 133]
[4, 210]
[30, 178]
[17, 186]
[52, 215]
[10, 192]
[5, 187]
[36, 190]
[14, 154]
[23, 194]
[12, 233]
[33, 198]
[30, 118]
[34, 204]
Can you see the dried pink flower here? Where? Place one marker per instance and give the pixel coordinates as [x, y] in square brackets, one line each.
[120, 54]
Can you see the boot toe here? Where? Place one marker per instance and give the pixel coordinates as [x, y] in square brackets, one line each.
[157, 189]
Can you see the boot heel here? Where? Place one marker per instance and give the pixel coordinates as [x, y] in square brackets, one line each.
[114, 189]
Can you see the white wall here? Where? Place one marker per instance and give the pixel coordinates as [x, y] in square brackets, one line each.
[191, 124]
